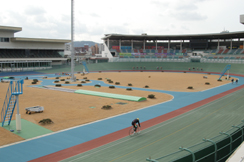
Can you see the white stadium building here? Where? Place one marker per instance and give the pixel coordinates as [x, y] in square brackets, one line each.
[27, 54]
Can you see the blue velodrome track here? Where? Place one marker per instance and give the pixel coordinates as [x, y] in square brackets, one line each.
[51, 143]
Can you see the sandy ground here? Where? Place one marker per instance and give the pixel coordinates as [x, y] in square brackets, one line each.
[69, 109]
[160, 80]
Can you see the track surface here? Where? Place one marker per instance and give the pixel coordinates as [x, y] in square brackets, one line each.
[170, 131]
[155, 141]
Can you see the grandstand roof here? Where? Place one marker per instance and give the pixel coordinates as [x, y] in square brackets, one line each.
[10, 28]
[31, 59]
[238, 34]
[19, 39]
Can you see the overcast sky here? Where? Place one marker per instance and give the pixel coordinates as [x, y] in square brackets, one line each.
[94, 18]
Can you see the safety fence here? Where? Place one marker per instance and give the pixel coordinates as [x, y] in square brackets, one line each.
[216, 149]
[139, 59]
[176, 59]
[229, 60]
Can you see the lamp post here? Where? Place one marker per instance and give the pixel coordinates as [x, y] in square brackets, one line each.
[72, 41]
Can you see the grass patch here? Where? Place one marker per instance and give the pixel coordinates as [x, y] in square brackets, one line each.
[111, 86]
[107, 107]
[46, 121]
[151, 96]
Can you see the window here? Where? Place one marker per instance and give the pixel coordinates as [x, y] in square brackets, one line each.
[4, 39]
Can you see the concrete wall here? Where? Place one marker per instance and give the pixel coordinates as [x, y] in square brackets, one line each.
[31, 45]
[242, 19]
[6, 34]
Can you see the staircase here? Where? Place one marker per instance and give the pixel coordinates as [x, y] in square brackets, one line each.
[11, 100]
[227, 67]
[84, 64]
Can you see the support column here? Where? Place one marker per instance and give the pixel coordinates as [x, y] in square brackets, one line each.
[144, 42]
[218, 45]
[169, 45]
[156, 44]
[108, 43]
[120, 44]
[132, 46]
[181, 46]
[231, 44]
[18, 116]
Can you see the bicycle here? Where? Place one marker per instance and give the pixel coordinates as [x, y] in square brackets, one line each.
[131, 131]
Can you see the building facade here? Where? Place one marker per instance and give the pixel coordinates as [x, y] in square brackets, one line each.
[19, 54]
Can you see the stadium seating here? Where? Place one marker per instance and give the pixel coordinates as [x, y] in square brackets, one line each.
[31, 54]
[225, 51]
[220, 51]
[213, 51]
[184, 50]
[238, 51]
[231, 52]
[123, 50]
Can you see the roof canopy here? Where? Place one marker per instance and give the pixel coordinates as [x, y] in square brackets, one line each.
[18, 39]
[230, 35]
[10, 29]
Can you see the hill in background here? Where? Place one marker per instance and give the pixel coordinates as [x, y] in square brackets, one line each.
[82, 43]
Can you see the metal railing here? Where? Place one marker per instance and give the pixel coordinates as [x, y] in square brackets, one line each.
[216, 149]
[15, 88]
[151, 59]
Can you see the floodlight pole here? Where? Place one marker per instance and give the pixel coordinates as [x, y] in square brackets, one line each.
[72, 41]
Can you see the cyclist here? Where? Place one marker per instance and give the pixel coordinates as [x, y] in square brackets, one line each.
[134, 124]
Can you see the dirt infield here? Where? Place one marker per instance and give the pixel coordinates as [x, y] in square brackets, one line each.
[70, 109]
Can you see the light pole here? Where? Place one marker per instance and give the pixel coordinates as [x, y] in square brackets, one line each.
[72, 41]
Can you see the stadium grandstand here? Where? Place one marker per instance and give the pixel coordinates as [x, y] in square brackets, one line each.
[28, 54]
[223, 47]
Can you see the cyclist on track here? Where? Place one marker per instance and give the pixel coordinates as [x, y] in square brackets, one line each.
[134, 124]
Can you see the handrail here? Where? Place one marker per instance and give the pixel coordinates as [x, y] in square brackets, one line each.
[8, 94]
[217, 153]
[15, 88]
